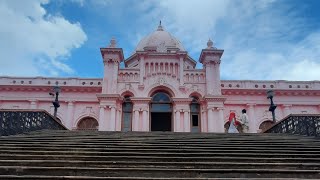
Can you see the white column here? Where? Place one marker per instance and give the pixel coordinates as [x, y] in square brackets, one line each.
[69, 122]
[186, 123]
[252, 118]
[105, 77]
[118, 120]
[208, 78]
[181, 71]
[217, 84]
[144, 122]
[159, 70]
[141, 70]
[202, 121]
[220, 123]
[102, 122]
[178, 123]
[210, 120]
[149, 69]
[112, 119]
[115, 76]
[136, 121]
[287, 109]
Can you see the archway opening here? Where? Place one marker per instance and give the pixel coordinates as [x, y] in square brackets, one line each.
[88, 123]
[195, 114]
[126, 114]
[161, 112]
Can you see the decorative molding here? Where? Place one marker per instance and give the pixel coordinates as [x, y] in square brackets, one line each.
[181, 100]
[210, 98]
[108, 97]
[141, 100]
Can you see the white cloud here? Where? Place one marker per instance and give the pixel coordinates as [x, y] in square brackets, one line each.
[34, 42]
[262, 39]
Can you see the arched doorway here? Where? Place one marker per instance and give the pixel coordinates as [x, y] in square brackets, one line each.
[88, 123]
[195, 114]
[161, 112]
[126, 114]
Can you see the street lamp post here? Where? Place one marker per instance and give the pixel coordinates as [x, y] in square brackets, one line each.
[56, 104]
[272, 107]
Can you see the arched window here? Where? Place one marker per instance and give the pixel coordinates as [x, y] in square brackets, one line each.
[265, 124]
[88, 123]
[161, 102]
[126, 114]
[195, 114]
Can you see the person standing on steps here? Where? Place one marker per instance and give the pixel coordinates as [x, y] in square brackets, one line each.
[232, 123]
[244, 121]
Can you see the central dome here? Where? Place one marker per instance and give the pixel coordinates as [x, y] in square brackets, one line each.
[159, 41]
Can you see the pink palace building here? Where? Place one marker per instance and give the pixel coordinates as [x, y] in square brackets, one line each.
[160, 90]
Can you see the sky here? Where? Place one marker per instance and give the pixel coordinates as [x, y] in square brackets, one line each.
[262, 39]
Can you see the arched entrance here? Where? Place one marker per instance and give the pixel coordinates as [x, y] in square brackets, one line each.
[161, 112]
[126, 114]
[88, 123]
[195, 114]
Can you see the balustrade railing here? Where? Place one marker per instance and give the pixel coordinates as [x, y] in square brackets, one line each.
[302, 124]
[20, 121]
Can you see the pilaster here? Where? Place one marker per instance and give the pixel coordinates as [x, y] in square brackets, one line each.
[215, 105]
[141, 120]
[70, 113]
[252, 116]
[182, 117]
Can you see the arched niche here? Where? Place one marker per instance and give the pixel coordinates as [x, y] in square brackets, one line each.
[88, 123]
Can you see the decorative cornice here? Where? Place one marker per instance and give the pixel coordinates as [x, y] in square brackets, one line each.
[108, 96]
[181, 100]
[31, 88]
[278, 92]
[210, 98]
[141, 99]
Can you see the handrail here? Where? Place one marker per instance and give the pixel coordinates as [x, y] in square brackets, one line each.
[302, 124]
[17, 121]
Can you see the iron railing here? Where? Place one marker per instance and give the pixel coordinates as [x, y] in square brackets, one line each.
[20, 121]
[302, 124]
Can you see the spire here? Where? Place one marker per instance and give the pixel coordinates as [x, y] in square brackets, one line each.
[113, 43]
[210, 44]
[160, 28]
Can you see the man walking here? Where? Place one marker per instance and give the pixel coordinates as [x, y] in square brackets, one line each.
[244, 121]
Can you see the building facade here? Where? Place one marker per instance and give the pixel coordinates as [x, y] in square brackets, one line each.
[160, 89]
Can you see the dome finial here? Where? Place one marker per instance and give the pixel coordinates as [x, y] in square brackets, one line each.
[210, 44]
[160, 28]
[113, 43]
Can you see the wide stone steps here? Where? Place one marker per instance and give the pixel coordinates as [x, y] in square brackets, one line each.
[156, 172]
[148, 164]
[159, 155]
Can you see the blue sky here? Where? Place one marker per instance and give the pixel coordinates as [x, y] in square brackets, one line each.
[262, 39]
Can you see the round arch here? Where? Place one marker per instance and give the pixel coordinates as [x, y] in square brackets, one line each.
[196, 94]
[83, 115]
[87, 123]
[127, 93]
[161, 88]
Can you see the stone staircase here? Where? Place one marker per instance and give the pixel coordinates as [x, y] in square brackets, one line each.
[158, 155]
